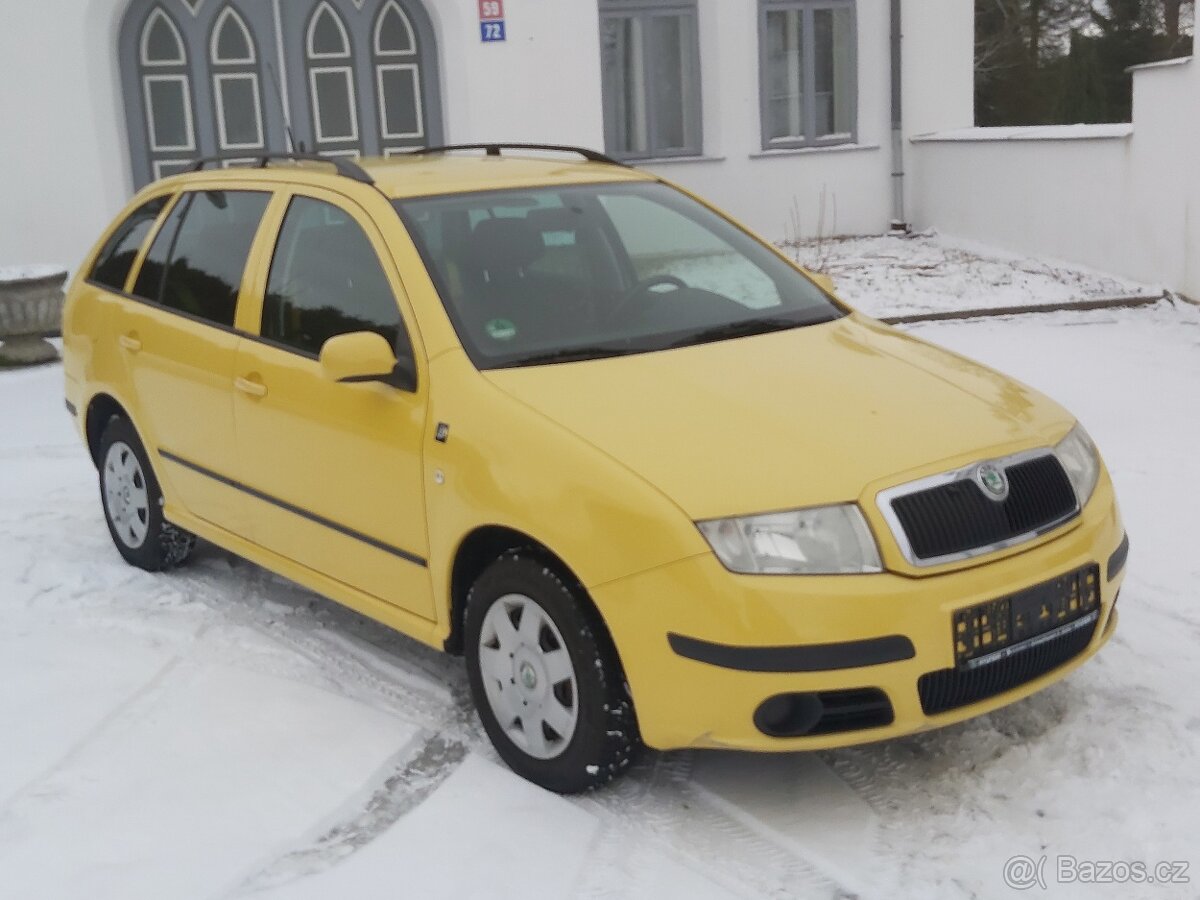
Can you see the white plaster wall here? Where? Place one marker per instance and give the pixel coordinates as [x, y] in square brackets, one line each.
[1126, 204]
[760, 188]
[1162, 219]
[63, 148]
[542, 84]
[938, 54]
[939, 65]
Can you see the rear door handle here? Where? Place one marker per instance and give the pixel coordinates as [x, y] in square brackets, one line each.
[253, 388]
[130, 342]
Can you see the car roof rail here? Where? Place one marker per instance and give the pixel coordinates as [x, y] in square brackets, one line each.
[344, 166]
[493, 149]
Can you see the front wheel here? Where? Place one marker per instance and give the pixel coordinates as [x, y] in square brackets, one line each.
[132, 503]
[545, 678]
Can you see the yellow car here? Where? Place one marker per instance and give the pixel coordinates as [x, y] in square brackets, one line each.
[656, 483]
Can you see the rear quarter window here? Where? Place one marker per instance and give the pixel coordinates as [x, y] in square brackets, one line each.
[118, 253]
[196, 263]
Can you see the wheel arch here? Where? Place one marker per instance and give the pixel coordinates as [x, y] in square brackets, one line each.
[100, 409]
[479, 549]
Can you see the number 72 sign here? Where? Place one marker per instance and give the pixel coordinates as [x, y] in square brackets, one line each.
[491, 20]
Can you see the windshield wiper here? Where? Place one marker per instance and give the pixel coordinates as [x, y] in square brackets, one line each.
[573, 354]
[731, 330]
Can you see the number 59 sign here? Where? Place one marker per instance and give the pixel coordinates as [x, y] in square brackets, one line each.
[491, 20]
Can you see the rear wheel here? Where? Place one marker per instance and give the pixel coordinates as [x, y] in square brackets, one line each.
[132, 503]
[545, 678]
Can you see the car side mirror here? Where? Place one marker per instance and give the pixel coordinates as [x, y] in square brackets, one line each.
[365, 356]
[821, 280]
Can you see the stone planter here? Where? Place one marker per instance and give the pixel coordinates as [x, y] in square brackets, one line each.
[30, 307]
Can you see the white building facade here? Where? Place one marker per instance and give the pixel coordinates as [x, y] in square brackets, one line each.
[781, 111]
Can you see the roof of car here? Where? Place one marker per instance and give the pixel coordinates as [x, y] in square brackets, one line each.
[422, 175]
[430, 174]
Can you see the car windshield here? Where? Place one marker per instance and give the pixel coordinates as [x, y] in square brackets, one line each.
[548, 275]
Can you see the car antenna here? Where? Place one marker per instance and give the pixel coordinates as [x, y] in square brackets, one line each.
[287, 123]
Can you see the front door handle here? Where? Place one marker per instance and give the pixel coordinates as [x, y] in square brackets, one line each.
[253, 388]
[130, 342]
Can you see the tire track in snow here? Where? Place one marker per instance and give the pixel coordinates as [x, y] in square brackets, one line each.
[368, 673]
[377, 678]
[119, 712]
[408, 778]
[658, 805]
[655, 806]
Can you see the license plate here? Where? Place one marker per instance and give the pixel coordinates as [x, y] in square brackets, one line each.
[998, 628]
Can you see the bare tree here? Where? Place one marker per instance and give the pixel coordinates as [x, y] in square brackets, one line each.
[1173, 19]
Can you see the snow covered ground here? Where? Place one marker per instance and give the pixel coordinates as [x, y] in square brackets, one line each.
[219, 732]
[894, 276]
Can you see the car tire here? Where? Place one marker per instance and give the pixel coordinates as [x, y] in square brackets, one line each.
[545, 676]
[132, 503]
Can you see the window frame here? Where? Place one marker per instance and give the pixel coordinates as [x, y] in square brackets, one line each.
[693, 107]
[807, 8]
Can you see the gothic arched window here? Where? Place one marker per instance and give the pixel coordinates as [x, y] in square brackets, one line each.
[166, 93]
[238, 78]
[332, 90]
[397, 79]
[237, 93]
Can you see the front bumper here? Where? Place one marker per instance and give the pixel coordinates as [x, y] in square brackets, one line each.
[820, 634]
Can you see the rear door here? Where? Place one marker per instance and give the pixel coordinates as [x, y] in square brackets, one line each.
[333, 470]
[181, 346]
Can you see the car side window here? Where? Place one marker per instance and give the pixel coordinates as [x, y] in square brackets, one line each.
[118, 253]
[326, 280]
[197, 260]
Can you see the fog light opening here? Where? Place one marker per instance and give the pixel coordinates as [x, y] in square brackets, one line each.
[788, 715]
[823, 712]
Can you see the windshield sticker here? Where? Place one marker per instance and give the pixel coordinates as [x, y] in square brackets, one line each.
[501, 330]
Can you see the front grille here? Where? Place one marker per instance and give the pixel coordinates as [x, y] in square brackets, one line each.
[948, 689]
[958, 516]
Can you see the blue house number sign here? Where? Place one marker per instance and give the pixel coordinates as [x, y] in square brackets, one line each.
[491, 20]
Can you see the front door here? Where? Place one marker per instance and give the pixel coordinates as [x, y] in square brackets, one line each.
[334, 470]
[181, 346]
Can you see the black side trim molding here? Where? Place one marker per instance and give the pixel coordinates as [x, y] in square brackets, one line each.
[1116, 562]
[71, 408]
[295, 510]
[802, 658]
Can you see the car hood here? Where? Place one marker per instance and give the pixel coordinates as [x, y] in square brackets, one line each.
[792, 418]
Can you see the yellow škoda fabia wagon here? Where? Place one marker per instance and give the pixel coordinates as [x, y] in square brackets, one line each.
[653, 481]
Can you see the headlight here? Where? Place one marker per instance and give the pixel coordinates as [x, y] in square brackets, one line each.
[1078, 456]
[823, 540]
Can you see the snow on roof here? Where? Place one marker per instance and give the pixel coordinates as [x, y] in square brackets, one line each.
[25, 273]
[1160, 64]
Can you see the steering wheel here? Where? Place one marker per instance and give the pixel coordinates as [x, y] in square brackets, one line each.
[641, 289]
